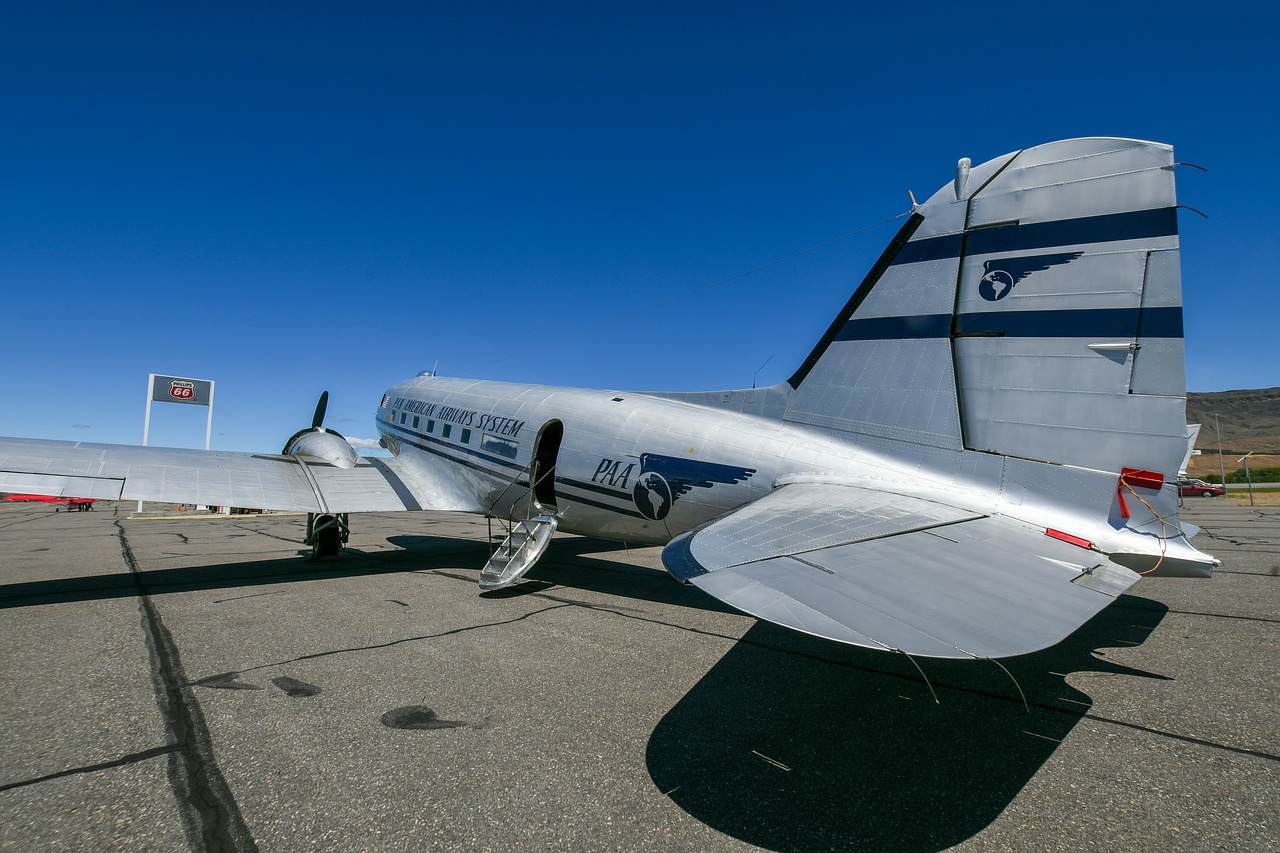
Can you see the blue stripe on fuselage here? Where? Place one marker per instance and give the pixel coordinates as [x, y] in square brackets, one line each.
[896, 328]
[1108, 228]
[1074, 323]
[437, 447]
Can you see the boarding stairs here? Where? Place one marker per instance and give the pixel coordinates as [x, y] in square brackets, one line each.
[519, 551]
[526, 540]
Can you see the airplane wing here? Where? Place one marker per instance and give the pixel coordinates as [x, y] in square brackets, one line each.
[897, 572]
[223, 478]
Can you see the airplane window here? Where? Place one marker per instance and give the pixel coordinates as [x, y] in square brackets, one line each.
[431, 425]
[415, 421]
[444, 432]
[501, 446]
[403, 415]
[466, 436]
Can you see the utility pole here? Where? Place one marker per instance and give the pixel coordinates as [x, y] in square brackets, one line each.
[1221, 467]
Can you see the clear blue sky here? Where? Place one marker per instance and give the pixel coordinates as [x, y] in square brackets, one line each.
[289, 197]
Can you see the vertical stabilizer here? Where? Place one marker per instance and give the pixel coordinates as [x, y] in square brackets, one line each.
[1031, 308]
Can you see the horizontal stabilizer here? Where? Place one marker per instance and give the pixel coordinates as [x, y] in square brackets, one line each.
[907, 574]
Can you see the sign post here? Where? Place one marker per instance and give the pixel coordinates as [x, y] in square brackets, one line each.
[176, 389]
[1248, 477]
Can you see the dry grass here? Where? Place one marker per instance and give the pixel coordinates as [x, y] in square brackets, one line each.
[1206, 463]
[1268, 498]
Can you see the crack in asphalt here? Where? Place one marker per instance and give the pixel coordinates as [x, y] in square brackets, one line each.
[1196, 612]
[209, 811]
[1270, 574]
[249, 529]
[22, 520]
[223, 676]
[131, 758]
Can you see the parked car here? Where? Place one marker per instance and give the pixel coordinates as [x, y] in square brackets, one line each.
[1199, 488]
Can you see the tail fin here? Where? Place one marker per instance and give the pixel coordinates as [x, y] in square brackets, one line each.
[1032, 308]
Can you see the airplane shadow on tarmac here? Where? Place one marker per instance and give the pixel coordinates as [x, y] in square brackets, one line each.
[793, 743]
[233, 575]
[571, 563]
[568, 563]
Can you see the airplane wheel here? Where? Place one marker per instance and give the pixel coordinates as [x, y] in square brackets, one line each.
[328, 539]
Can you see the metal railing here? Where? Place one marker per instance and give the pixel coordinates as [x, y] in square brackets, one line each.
[510, 520]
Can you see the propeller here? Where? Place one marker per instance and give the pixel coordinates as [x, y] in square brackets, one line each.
[321, 405]
[317, 444]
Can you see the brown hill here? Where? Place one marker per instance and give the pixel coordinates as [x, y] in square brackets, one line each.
[1250, 420]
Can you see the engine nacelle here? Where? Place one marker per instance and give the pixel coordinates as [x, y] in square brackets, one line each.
[318, 444]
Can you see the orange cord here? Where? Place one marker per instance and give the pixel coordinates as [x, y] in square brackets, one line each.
[1164, 525]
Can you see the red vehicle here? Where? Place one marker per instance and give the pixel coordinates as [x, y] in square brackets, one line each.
[76, 504]
[1199, 488]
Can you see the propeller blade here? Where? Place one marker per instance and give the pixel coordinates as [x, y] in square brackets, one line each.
[320, 407]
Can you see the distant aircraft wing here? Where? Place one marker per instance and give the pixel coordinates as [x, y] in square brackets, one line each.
[890, 571]
[223, 478]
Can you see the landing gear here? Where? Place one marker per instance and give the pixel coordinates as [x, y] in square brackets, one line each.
[326, 534]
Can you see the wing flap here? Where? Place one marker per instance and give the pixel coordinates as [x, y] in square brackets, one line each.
[218, 478]
[62, 486]
[962, 588]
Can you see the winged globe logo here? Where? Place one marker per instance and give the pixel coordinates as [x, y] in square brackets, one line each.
[663, 479]
[652, 495]
[1000, 276]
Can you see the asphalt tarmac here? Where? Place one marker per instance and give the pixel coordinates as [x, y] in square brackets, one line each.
[196, 684]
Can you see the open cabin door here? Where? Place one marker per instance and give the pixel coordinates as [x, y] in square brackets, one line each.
[529, 539]
[542, 469]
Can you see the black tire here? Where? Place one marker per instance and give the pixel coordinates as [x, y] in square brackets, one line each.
[1206, 494]
[328, 539]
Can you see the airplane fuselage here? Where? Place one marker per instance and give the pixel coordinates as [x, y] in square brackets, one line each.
[630, 466]
[647, 467]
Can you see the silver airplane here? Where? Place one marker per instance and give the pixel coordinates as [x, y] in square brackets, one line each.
[977, 456]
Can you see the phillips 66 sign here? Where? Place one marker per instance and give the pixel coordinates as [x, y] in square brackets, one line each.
[174, 389]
